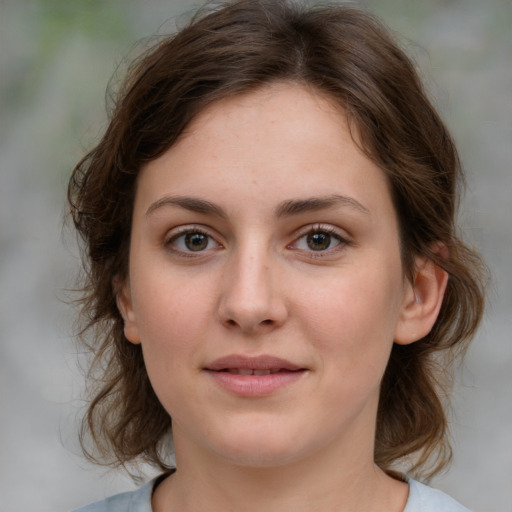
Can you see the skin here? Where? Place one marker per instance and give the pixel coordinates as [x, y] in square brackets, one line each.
[319, 284]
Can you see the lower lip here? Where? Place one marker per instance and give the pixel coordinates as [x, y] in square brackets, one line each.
[255, 385]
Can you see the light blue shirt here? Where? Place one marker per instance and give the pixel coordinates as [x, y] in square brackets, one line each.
[421, 499]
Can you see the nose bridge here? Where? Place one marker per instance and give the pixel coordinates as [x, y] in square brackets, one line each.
[251, 298]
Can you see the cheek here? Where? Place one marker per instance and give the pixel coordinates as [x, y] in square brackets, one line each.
[170, 337]
[170, 306]
[170, 316]
[355, 316]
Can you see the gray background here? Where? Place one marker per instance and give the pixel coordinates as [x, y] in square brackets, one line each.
[56, 57]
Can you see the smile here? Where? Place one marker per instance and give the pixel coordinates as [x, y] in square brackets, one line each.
[248, 364]
[248, 371]
[253, 376]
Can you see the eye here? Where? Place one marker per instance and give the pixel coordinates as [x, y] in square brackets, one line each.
[319, 239]
[191, 240]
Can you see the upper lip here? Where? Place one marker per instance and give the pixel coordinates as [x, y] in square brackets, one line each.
[263, 362]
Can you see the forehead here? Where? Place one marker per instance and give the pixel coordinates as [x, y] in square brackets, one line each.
[278, 142]
[288, 108]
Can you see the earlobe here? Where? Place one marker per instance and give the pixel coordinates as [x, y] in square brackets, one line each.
[125, 307]
[422, 301]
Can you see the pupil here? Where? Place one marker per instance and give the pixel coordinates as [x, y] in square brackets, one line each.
[196, 241]
[319, 241]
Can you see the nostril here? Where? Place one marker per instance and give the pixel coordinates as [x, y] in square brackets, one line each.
[267, 322]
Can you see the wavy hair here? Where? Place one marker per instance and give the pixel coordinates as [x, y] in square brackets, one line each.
[230, 49]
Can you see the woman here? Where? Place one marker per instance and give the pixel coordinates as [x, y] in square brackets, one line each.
[272, 263]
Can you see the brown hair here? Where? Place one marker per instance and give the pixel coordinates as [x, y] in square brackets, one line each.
[236, 47]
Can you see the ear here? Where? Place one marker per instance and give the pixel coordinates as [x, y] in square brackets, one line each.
[423, 299]
[125, 307]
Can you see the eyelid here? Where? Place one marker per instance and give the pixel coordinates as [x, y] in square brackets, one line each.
[334, 231]
[180, 231]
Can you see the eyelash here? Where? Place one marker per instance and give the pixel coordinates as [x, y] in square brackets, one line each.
[321, 229]
[170, 242]
[183, 232]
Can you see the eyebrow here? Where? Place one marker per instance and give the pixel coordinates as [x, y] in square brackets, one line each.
[313, 204]
[285, 209]
[192, 204]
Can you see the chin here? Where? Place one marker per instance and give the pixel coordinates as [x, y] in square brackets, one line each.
[261, 458]
[262, 449]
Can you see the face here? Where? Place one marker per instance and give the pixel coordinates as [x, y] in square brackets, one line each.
[265, 281]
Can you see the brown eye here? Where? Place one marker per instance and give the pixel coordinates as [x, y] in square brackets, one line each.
[190, 241]
[318, 241]
[196, 241]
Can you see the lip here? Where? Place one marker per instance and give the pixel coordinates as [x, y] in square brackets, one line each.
[281, 373]
[263, 362]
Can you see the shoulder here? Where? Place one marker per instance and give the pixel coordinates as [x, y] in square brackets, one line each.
[425, 499]
[135, 501]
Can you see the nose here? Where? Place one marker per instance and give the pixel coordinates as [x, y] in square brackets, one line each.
[252, 299]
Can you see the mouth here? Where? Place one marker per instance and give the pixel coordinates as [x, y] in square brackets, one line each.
[254, 376]
[259, 365]
[249, 371]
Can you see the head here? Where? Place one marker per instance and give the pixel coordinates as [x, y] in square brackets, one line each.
[348, 58]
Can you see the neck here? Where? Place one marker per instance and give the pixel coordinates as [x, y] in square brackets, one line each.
[336, 483]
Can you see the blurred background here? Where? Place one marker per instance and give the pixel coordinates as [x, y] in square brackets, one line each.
[56, 58]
